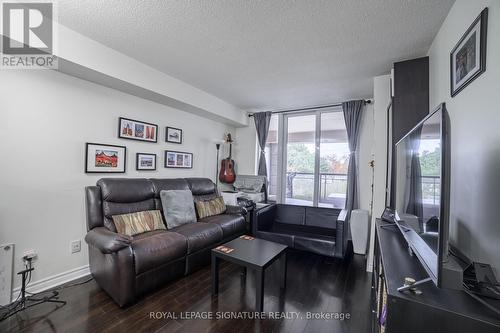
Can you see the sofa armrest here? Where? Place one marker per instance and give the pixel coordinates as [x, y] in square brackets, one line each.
[342, 234]
[264, 218]
[107, 241]
[236, 210]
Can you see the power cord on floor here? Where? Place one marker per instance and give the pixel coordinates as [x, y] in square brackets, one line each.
[9, 310]
[12, 307]
[62, 287]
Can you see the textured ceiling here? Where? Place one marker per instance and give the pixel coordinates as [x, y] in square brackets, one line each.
[264, 54]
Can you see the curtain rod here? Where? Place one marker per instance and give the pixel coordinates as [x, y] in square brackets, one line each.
[367, 101]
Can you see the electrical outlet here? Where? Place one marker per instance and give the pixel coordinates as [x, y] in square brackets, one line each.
[76, 246]
[29, 254]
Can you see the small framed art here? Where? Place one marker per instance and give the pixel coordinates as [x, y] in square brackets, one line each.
[468, 57]
[103, 158]
[178, 159]
[137, 130]
[145, 162]
[173, 135]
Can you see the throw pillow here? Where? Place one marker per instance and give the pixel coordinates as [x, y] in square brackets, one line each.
[139, 222]
[178, 207]
[210, 207]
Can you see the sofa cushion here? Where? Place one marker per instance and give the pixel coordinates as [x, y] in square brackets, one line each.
[199, 235]
[124, 196]
[201, 186]
[285, 239]
[230, 224]
[155, 248]
[139, 222]
[178, 207]
[322, 217]
[210, 207]
[294, 229]
[166, 185]
[125, 190]
[290, 214]
[323, 245]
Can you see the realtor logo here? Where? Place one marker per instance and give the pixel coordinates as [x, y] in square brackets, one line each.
[28, 35]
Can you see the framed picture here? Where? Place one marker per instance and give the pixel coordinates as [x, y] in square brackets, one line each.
[145, 162]
[173, 135]
[137, 130]
[468, 57]
[102, 158]
[178, 159]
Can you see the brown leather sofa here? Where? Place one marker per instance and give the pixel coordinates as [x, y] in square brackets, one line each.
[128, 267]
[319, 230]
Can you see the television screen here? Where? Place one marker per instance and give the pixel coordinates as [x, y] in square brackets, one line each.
[419, 191]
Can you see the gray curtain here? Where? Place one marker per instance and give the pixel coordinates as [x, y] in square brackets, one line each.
[262, 121]
[352, 117]
[415, 205]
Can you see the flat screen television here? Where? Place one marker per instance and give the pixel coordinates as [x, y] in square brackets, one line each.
[422, 194]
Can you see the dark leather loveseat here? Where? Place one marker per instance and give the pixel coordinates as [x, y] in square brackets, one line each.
[128, 267]
[319, 230]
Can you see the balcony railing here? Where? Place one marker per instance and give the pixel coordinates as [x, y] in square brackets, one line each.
[333, 186]
[431, 189]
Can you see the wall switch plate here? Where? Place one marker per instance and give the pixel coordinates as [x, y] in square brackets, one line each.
[76, 246]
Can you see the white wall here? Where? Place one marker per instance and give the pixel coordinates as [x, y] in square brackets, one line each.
[46, 119]
[475, 136]
[245, 149]
[365, 155]
[382, 96]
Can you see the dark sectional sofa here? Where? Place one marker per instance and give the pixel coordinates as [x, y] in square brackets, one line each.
[128, 267]
[319, 230]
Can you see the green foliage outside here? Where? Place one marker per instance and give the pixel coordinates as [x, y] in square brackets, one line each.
[430, 166]
[430, 162]
[301, 159]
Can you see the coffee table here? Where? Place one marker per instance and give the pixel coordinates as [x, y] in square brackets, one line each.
[256, 254]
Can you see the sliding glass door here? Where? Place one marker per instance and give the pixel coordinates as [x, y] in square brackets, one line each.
[315, 159]
[299, 180]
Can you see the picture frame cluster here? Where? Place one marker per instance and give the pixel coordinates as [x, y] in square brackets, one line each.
[107, 158]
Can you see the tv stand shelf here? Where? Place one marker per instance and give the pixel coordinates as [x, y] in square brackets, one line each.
[435, 310]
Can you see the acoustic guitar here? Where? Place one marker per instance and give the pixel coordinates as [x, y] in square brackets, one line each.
[227, 174]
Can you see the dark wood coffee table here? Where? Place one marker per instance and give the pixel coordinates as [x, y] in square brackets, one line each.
[256, 254]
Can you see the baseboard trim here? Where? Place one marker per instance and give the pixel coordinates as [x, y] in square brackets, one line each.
[54, 280]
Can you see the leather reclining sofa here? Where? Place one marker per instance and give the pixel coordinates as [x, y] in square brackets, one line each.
[128, 267]
[319, 230]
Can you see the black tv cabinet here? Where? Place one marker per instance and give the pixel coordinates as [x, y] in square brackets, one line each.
[435, 310]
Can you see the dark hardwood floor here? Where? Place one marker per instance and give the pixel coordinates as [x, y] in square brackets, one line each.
[314, 284]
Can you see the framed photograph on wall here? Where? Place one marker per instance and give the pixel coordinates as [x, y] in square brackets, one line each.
[137, 130]
[468, 57]
[178, 159]
[173, 135]
[103, 158]
[145, 162]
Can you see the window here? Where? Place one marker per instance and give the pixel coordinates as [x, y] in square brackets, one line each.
[308, 166]
[334, 160]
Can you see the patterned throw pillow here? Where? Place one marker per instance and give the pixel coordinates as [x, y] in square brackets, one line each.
[137, 223]
[210, 207]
